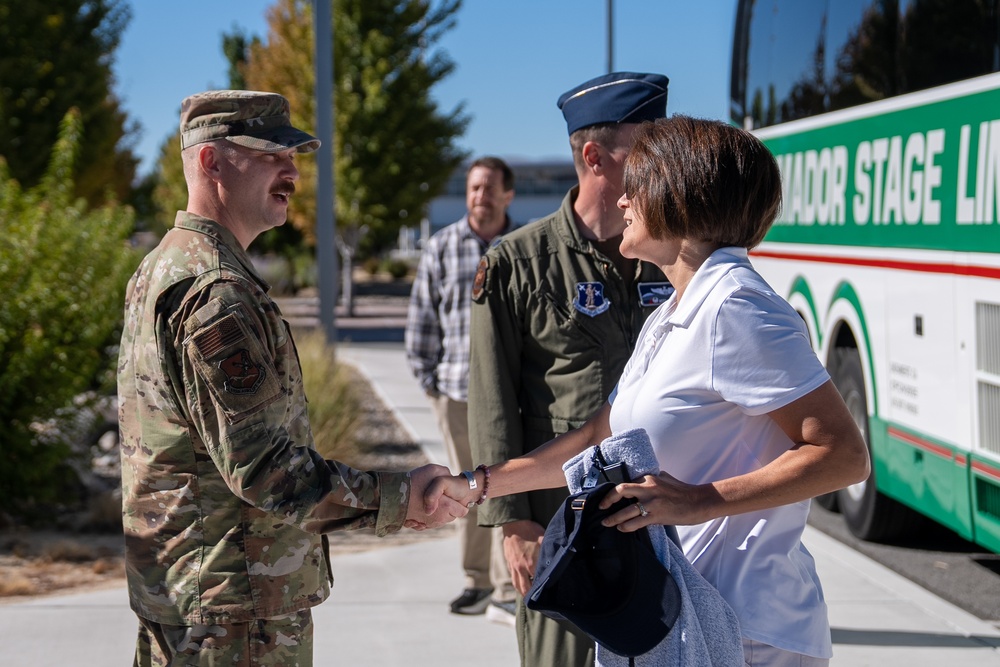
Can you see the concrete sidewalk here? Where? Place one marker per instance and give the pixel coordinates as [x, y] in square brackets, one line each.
[389, 605]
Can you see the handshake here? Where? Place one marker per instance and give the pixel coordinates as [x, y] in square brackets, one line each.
[437, 497]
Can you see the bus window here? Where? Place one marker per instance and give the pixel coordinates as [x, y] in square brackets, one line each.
[945, 41]
[784, 78]
[861, 38]
[794, 59]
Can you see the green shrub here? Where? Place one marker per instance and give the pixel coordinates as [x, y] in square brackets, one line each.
[63, 271]
[334, 409]
[305, 270]
[371, 266]
[396, 268]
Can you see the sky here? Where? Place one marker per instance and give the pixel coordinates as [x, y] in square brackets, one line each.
[513, 59]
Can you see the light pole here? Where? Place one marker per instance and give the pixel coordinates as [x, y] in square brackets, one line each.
[611, 35]
[326, 247]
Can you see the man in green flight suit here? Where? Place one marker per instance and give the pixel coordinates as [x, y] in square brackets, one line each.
[556, 312]
[225, 500]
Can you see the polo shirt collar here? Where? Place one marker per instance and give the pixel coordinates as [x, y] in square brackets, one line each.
[224, 237]
[715, 268]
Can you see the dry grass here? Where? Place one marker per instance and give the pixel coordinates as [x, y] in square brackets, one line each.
[334, 408]
[68, 551]
[42, 563]
[14, 584]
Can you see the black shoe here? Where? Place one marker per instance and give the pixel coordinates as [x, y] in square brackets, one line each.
[472, 601]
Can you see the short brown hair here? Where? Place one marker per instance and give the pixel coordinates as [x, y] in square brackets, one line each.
[703, 179]
[605, 134]
[496, 164]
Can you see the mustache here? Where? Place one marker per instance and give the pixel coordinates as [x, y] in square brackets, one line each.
[284, 188]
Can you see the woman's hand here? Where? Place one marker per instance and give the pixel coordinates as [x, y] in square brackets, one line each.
[659, 499]
[443, 512]
[445, 487]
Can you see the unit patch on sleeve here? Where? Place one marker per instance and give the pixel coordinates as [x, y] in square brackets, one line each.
[236, 370]
[479, 284]
[243, 374]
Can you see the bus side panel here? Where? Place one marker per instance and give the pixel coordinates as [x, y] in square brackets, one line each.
[923, 407]
[904, 327]
[934, 484]
[985, 476]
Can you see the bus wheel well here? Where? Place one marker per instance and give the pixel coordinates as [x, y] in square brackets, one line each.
[869, 514]
[843, 337]
[843, 340]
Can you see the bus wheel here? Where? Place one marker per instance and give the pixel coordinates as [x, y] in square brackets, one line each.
[869, 514]
[828, 501]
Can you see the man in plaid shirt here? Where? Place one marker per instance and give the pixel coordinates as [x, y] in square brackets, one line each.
[437, 348]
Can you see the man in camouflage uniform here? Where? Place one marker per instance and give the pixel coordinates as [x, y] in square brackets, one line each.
[225, 500]
[556, 312]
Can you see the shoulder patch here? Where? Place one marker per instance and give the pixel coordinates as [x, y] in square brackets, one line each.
[243, 374]
[234, 366]
[479, 284]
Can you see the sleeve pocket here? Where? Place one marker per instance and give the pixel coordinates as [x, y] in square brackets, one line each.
[231, 361]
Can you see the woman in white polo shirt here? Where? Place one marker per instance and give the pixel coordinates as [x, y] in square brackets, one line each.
[744, 420]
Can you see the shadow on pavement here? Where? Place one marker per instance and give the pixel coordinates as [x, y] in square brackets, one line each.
[882, 637]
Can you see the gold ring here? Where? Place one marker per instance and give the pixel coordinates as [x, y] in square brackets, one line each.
[642, 510]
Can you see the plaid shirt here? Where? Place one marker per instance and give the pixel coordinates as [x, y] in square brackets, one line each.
[437, 323]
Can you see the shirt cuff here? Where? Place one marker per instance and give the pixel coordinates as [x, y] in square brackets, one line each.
[394, 501]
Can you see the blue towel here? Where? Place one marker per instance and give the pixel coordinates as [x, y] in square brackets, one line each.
[707, 631]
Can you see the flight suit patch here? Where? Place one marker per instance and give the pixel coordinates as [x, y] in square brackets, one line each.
[653, 294]
[479, 284]
[590, 299]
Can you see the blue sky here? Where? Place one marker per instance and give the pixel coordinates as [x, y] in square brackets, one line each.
[514, 58]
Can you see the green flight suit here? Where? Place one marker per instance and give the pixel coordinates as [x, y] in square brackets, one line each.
[553, 324]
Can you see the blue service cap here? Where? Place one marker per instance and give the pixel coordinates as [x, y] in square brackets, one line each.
[619, 97]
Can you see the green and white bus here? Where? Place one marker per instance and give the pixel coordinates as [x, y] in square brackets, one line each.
[885, 120]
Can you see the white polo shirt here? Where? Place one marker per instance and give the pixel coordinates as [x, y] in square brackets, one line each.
[701, 381]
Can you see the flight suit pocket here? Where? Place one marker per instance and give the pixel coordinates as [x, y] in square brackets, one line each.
[573, 325]
[229, 357]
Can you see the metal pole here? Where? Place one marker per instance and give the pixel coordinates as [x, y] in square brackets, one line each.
[611, 36]
[326, 248]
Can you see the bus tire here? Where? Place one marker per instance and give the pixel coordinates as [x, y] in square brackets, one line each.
[828, 501]
[869, 514]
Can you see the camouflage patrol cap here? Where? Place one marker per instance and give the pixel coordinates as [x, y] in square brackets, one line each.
[259, 121]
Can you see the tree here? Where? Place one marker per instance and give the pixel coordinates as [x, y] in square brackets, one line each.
[236, 48]
[394, 149]
[55, 55]
[63, 270]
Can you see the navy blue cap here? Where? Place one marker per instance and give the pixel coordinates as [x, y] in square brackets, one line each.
[608, 583]
[619, 97]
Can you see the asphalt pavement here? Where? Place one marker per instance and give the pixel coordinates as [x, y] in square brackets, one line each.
[389, 605]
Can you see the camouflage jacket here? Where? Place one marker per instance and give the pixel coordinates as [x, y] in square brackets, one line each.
[224, 497]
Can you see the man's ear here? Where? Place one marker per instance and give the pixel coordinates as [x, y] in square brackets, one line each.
[209, 160]
[591, 155]
[508, 197]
